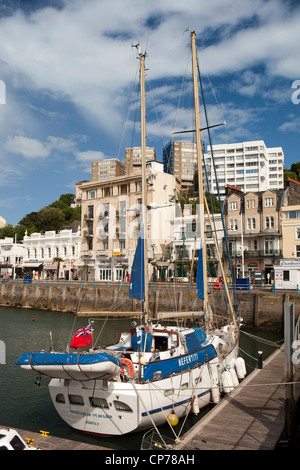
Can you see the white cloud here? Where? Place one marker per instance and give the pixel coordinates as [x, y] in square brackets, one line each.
[89, 156]
[292, 125]
[82, 52]
[28, 148]
[34, 148]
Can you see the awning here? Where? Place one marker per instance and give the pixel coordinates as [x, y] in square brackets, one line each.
[51, 267]
[31, 265]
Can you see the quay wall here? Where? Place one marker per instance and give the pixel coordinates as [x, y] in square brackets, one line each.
[258, 309]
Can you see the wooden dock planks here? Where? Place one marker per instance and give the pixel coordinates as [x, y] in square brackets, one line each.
[250, 418]
[56, 443]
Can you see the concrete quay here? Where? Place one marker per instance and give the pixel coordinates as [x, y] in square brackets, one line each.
[258, 308]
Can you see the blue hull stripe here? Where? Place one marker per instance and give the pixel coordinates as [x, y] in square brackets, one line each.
[157, 410]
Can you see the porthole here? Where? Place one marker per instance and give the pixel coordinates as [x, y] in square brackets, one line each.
[121, 406]
[60, 398]
[99, 402]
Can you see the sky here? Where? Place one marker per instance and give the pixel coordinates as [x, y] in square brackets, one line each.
[69, 77]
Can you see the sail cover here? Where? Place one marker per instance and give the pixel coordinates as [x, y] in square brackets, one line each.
[137, 278]
[200, 276]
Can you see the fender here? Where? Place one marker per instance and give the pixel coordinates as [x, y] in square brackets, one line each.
[128, 363]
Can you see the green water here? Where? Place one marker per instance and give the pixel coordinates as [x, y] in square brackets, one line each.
[27, 406]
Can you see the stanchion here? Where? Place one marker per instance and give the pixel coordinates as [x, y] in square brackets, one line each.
[260, 359]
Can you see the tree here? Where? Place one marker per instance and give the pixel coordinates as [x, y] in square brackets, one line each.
[50, 218]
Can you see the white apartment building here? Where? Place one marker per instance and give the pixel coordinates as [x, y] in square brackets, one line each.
[249, 166]
[40, 252]
[11, 256]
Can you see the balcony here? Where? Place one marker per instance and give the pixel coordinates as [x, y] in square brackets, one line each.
[255, 254]
[88, 217]
[87, 233]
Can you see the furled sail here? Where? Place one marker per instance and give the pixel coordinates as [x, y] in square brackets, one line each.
[200, 275]
[137, 278]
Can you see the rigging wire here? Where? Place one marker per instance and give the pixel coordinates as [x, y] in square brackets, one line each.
[129, 104]
[218, 189]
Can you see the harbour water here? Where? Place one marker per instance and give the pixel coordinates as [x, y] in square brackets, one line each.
[26, 404]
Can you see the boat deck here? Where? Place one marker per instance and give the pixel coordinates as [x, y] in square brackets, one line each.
[250, 418]
[44, 441]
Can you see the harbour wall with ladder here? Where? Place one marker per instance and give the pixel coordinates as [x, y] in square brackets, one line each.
[258, 309]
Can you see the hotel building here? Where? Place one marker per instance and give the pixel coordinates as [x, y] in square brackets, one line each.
[106, 169]
[111, 220]
[133, 158]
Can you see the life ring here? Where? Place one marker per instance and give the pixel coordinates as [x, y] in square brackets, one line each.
[129, 364]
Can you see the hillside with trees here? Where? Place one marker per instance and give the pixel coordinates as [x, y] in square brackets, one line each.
[56, 216]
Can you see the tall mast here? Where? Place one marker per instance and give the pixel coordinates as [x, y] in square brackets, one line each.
[144, 182]
[199, 164]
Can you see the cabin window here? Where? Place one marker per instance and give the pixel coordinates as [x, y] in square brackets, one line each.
[121, 406]
[161, 343]
[169, 392]
[99, 402]
[184, 386]
[60, 398]
[76, 400]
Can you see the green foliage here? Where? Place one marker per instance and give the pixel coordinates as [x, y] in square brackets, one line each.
[56, 216]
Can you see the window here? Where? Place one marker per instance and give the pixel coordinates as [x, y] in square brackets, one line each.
[292, 215]
[298, 233]
[76, 400]
[286, 275]
[269, 246]
[122, 207]
[233, 224]
[233, 206]
[269, 201]
[251, 223]
[269, 222]
[105, 244]
[92, 194]
[298, 251]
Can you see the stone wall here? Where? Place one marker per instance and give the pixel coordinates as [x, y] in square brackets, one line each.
[257, 309]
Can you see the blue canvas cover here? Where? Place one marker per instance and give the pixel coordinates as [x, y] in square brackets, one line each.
[179, 363]
[137, 277]
[138, 342]
[195, 339]
[57, 359]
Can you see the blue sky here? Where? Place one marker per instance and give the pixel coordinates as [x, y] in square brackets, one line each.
[69, 71]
